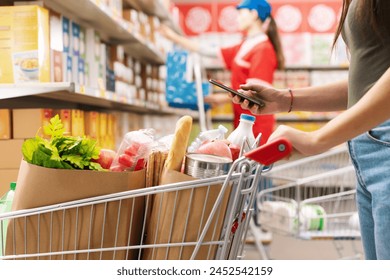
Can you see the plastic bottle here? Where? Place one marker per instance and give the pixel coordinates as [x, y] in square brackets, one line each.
[5, 206]
[243, 131]
[213, 134]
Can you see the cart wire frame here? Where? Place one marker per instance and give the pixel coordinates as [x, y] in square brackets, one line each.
[240, 184]
[312, 198]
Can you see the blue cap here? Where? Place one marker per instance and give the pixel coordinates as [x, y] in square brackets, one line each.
[262, 7]
[247, 117]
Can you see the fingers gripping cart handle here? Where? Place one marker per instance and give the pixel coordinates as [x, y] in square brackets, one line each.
[271, 152]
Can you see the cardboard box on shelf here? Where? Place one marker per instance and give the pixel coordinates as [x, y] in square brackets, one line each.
[6, 177]
[103, 119]
[91, 123]
[24, 44]
[111, 133]
[66, 118]
[27, 123]
[5, 124]
[78, 123]
[11, 153]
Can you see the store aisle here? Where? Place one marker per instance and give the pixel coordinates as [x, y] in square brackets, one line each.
[288, 248]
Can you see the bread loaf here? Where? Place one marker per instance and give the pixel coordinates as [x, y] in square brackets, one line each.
[179, 144]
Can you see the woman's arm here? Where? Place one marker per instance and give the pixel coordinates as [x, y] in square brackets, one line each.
[183, 41]
[371, 110]
[188, 44]
[331, 97]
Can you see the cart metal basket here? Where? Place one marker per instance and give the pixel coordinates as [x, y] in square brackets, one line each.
[218, 208]
[310, 199]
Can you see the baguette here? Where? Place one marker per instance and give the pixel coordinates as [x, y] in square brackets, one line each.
[179, 144]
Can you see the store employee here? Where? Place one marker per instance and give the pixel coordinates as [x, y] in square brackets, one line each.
[254, 59]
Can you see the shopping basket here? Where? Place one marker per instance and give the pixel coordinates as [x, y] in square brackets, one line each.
[310, 199]
[220, 231]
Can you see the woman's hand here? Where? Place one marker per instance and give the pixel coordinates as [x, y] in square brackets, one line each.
[275, 100]
[305, 143]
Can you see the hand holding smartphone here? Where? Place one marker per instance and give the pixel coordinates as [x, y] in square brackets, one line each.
[251, 100]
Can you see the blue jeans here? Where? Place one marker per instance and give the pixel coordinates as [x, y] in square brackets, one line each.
[370, 154]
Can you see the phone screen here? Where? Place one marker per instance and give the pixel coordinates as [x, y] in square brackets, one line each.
[234, 92]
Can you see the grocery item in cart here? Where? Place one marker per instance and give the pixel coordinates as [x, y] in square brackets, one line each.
[178, 148]
[6, 206]
[283, 216]
[206, 166]
[312, 217]
[242, 136]
[133, 151]
[215, 147]
[61, 151]
[279, 215]
[110, 224]
[209, 135]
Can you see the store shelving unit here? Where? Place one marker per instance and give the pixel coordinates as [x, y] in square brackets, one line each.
[113, 29]
[153, 7]
[70, 95]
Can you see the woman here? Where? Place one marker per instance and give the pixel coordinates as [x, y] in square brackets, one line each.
[365, 27]
[255, 59]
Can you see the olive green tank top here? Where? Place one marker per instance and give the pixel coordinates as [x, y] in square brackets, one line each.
[369, 51]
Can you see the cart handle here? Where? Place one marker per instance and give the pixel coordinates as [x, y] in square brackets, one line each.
[269, 153]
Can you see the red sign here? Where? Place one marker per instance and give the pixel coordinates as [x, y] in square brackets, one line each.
[292, 16]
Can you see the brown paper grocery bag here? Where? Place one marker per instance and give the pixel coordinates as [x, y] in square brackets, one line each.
[111, 224]
[179, 217]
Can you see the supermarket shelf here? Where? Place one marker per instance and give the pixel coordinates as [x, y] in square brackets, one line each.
[112, 28]
[296, 68]
[156, 8]
[75, 96]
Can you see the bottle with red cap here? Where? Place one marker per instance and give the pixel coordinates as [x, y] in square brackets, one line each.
[242, 132]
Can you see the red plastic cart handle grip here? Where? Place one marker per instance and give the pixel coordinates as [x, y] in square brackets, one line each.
[271, 152]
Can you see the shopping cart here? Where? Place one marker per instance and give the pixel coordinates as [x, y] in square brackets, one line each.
[218, 208]
[310, 199]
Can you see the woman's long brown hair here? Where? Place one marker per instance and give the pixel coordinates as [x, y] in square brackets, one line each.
[367, 10]
[273, 35]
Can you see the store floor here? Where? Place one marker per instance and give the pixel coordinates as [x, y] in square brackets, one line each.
[288, 248]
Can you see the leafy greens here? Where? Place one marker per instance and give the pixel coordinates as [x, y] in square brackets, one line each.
[61, 151]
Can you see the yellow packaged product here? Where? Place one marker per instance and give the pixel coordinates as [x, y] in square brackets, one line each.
[24, 44]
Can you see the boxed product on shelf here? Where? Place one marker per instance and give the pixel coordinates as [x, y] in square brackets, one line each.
[78, 123]
[5, 124]
[91, 119]
[56, 47]
[27, 122]
[25, 55]
[11, 153]
[66, 52]
[66, 118]
[93, 56]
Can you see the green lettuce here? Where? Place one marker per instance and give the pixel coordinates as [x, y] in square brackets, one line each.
[61, 151]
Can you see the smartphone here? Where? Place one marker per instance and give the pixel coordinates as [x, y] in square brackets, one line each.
[234, 92]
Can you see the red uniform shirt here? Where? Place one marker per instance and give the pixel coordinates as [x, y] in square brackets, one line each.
[253, 60]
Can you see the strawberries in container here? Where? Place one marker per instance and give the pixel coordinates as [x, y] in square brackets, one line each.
[133, 151]
[106, 157]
